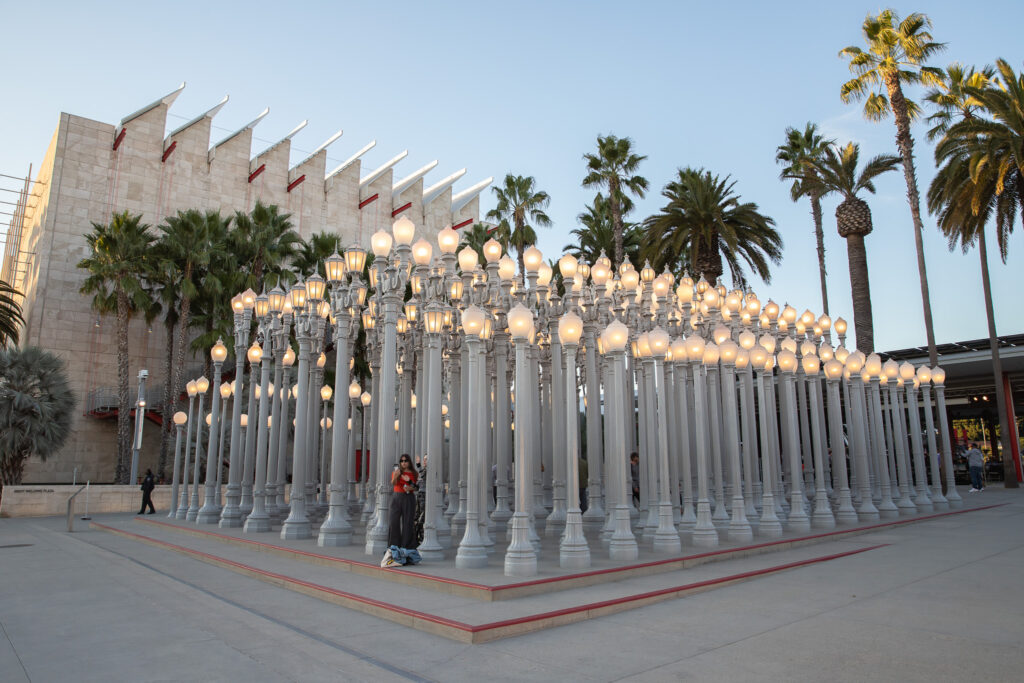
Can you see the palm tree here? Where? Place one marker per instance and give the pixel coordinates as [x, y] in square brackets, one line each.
[10, 315]
[797, 155]
[189, 249]
[981, 177]
[837, 172]
[120, 259]
[35, 408]
[519, 204]
[704, 224]
[164, 297]
[596, 234]
[264, 242]
[896, 56]
[951, 99]
[614, 169]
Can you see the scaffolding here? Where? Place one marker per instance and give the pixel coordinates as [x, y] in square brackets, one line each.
[18, 203]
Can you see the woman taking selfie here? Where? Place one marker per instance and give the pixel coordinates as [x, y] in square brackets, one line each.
[403, 504]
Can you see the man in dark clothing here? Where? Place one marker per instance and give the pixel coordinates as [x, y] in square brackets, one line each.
[634, 472]
[976, 465]
[148, 484]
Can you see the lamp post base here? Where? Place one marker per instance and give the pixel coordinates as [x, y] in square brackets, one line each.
[256, 523]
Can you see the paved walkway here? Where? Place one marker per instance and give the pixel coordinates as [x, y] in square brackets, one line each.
[941, 602]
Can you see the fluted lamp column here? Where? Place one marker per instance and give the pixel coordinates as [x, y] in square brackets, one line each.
[202, 386]
[939, 380]
[520, 557]
[180, 419]
[739, 526]
[231, 515]
[472, 554]
[297, 525]
[179, 513]
[573, 551]
[210, 512]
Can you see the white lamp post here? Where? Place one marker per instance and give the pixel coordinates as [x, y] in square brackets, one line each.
[704, 533]
[798, 519]
[180, 419]
[202, 385]
[472, 553]
[854, 365]
[622, 544]
[921, 499]
[209, 513]
[924, 374]
[573, 550]
[231, 516]
[821, 517]
[183, 504]
[739, 526]
[873, 367]
[952, 495]
[845, 512]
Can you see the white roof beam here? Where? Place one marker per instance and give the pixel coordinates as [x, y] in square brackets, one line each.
[441, 185]
[248, 126]
[167, 99]
[366, 180]
[345, 164]
[408, 180]
[465, 196]
[211, 112]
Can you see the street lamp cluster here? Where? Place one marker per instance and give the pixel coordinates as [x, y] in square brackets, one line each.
[744, 417]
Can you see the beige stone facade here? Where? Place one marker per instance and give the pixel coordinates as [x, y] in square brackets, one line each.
[92, 169]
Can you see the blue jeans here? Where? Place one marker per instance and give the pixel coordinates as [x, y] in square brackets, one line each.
[976, 480]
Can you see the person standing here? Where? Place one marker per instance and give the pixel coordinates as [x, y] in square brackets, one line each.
[976, 467]
[634, 473]
[148, 484]
[401, 529]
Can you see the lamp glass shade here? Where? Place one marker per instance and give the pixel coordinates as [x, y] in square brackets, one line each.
[907, 371]
[520, 322]
[811, 365]
[326, 392]
[720, 334]
[365, 398]
[468, 259]
[315, 287]
[807, 348]
[570, 328]
[727, 352]
[297, 296]
[938, 376]
[381, 243]
[567, 266]
[616, 336]
[289, 357]
[842, 353]
[854, 363]
[473, 320]
[600, 273]
[262, 306]
[840, 326]
[787, 361]
[788, 344]
[711, 352]
[768, 342]
[643, 345]
[532, 258]
[695, 347]
[711, 297]
[733, 301]
[747, 340]
[448, 240]
[422, 252]
[924, 373]
[277, 298]
[544, 274]
[180, 418]
[833, 369]
[334, 266]
[355, 259]
[434, 320]
[225, 390]
[191, 388]
[771, 309]
[789, 315]
[659, 341]
[404, 231]
[456, 290]
[647, 273]
[630, 280]
[742, 358]
[255, 353]
[758, 355]
[679, 349]
[506, 268]
[236, 304]
[873, 364]
[219, 352]
[492, 250]
[202, 384]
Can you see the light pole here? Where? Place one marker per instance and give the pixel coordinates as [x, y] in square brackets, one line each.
[521, 558]
[924, 374]
[191, 389]
[873, 367]
[573, 550]
[245, 503]
[798, 519]
[472, 553]
[939, 380]
[921, 499]
[822, 516]
[209, 513]
[739, 526]
[845, 512]
[854, 365]
[769, 524]
[202, 384]
[140, 420]
[622, 544]
[180, 419]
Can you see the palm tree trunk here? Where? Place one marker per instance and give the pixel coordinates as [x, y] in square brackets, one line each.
[819, 236]
[170, 402]
[860, 287]
[905, 143]
[179, 348]
[616, 209]
[124, 403]
[1009, 467]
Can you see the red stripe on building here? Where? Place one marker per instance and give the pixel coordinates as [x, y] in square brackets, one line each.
[462, 224]
[400, 209]
[295, 183]
[167, 152]
[255, 174]
[120, 138]
[369, 200]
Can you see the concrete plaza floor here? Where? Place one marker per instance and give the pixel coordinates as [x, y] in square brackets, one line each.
[941, 601]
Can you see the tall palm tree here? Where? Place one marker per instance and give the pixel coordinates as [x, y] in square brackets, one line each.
[705, 225]
[895, 57]
[838, 172]
[982, 177]
[120, 259]
[264, 242]
[520, 203]
[797, 156]
[164, 297]
[190, 246]
[35, 408]
[950, 98]
[614, 169]
[596, 234]
[11, 319]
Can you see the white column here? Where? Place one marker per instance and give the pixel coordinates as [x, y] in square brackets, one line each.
[182, 508]
[845, 512]
[520, 557]
[297, 525]
[739, 527]
[952, 495]
[336, 529]
[622, 544]
[938, 500]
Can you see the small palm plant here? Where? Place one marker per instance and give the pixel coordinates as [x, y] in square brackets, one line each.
[35, 408]
[10, 315]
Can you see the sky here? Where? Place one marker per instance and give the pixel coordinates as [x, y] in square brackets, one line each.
[525, 88]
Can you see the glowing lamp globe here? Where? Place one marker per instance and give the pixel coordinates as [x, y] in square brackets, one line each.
[840, 326]
[720, 333]
[289, 357]
[404, 230]
[506, 268]
[616, 336]
[659, 341]
[854, 363]
[180, 418]
[811, 365]
[727, 351]
[422, 251]
[630, 280]
[473, 320]
[742, 359]
[520, 322]
[873, 364]
[771, 309]
[448, 240]
[787, 361]
[544, 275]
[225, 390]
[191, 388]
[924, 373]
[907, 371]
[355, 259]
[695, 347]
[365, 399]
[570, 328]
[758, 355]
[679, 349]
[334, 266]
[381, 243]
[711, 352]
[767, 342]
[567, 266]
[468, 259]
[219, 352]
[747, 340]
[938, 376]
[842, 353]
[788, 344]
[833, 369]
[492, 250]
[826, 353]
[532, 258]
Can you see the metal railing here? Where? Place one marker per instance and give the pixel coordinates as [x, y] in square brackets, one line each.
[71, 502]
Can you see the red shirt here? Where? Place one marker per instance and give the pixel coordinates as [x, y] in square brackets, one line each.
[406, 477]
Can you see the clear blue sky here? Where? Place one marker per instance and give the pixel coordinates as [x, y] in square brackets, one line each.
[525, 88]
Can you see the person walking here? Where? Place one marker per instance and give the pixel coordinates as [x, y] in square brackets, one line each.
[976, 467]
[401, 529]
[148, 484]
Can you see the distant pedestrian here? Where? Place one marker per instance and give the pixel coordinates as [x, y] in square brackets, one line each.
[976, 466]
[634, 472]
[148, 484]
